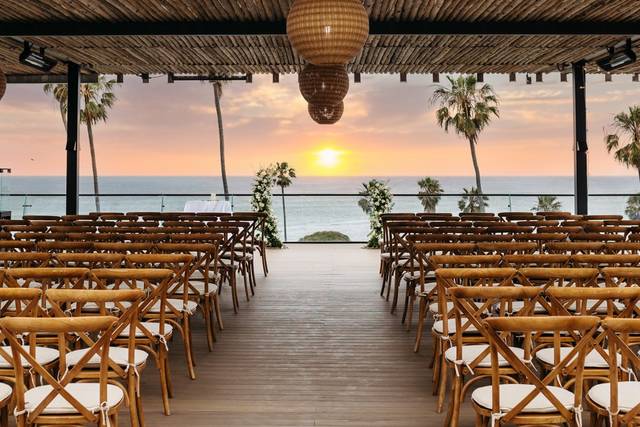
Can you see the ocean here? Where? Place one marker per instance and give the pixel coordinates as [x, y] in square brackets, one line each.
[307, 210]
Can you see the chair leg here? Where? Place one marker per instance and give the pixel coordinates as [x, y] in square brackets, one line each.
[133, 400]
[188, 351]
[442, 386]
[396, 291]
[208, 321]
[480, 421]
[263, 255]
[164, 380]
[4, 417]
[412, 301]
[216, 306]
[422, 310]
[139, 408]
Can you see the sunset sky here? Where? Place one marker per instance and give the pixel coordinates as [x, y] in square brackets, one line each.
[388, 128]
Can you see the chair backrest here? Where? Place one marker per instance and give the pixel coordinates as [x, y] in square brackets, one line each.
[62, 328]
[559, 277]
[24, 259]
[574, 247]
[618, 332]
[507, 248]
[501, 329]
[89, 260]
[536, 260]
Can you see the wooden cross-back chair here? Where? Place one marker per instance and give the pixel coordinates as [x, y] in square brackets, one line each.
[24, 259]
[427, 289]
[243, 253]
[534, 400]
[202, 281]
[20, 302]
[573, 248]
[469, 356]
[444, 327]
[617, 400]
[45, 278]
[89, 260]
[39, 236]
[596, 237]
[124, 363]
[124, 247]
[506, 248]
[62, 401]
[179, 308]
[622, 248]
[64, 246]
[601, 302]
[540, 238]
[25, 228]
[259, 243]
[17, 246]
[153, 332]
[536, 260]
[436, 261]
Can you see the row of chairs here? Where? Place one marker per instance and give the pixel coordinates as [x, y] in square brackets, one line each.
[542, 345]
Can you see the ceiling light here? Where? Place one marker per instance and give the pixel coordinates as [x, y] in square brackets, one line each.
[36, 60]
[618, 58]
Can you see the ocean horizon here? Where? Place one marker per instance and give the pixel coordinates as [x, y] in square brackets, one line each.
[305, 214]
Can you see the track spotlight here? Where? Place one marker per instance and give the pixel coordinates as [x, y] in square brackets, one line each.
[618, 57]
[36, 60]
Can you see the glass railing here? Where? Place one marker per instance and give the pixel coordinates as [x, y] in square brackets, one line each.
[305, 213]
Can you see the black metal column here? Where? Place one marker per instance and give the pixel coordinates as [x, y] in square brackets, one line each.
[581, 148]
[73, 128]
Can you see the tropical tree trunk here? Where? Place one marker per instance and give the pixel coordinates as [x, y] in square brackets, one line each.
[94, 166]
[284, 214]
[223, 168]
[476, 169]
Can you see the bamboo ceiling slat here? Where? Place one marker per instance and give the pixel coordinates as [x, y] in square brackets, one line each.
[268, 53]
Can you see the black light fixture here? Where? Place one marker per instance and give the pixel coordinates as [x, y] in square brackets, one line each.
[357, 78]
[480, 77]
[512, 77]
[403, 77]
[528, 79]
[538, 77]
[119, 78]
[145, 77]
[618, 57]
[435, 77]
[36, 60]
[635, 78]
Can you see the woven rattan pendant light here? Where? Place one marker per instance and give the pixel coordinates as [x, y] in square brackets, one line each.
[327, 32]
[3, 84]
[326, 114]
[324, 84]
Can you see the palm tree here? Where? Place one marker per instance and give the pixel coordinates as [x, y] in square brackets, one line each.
[547, 204]
[626, 126]
[217, 94]
[633, 207]
[430, 194]
[468, 109]
[472, 201]
[59, 92]
[97, 99]
[283, 178]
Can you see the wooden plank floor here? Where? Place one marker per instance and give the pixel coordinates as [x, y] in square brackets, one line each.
[316, 346]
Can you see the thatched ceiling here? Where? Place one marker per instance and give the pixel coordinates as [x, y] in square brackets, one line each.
[383, 53]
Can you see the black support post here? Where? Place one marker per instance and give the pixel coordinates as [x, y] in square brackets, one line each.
[581, 147]
[73, 128]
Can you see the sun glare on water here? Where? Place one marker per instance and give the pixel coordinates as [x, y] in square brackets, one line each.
[328, 158]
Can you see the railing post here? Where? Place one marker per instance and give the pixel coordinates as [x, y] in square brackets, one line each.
[581, 147]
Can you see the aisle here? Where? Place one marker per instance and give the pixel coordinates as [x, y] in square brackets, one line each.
[315, 347]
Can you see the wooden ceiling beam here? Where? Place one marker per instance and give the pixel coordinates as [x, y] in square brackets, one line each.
[257, 28]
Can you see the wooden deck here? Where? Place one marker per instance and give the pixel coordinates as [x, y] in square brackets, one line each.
[316, 346]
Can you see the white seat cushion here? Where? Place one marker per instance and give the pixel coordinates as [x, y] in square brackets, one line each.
[434, 307]
[119, 355]
[153, 327]
[470, 352]
[451, 323]
[88, 394]
[519, 305]
[198, 276]
[593, 359]
[411, 277]
[512, 394]
[5, 391]
[198, 288]
[43, 355]
[178, 304]
[628, 395]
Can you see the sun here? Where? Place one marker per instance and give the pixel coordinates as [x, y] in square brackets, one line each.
[328, 158]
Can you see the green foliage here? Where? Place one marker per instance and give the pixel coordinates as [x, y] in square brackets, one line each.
[624, 142]
[326, 236]
[97, 99]
[465, 107]
[261, 202]
[472, 201]
[633, 207]
[284, 174]
[547, 204]
[376, 200]
[429, 195]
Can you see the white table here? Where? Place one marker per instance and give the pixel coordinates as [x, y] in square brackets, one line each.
[198, 206]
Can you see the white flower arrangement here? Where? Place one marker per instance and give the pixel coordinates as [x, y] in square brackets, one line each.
[377, 200]
[261, 202]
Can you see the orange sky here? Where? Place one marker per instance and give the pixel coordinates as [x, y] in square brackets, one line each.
[388, 128]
